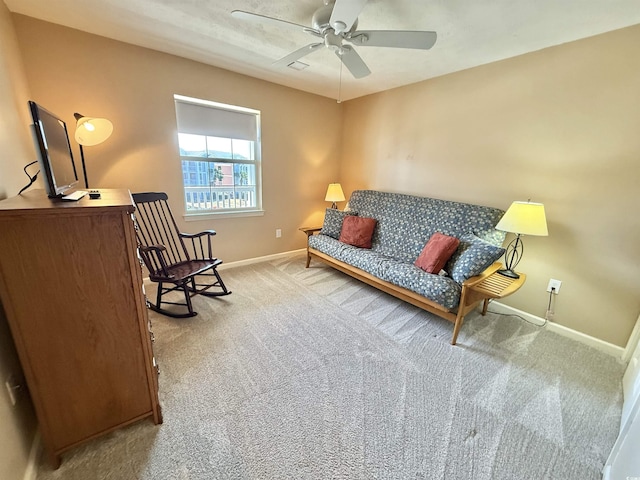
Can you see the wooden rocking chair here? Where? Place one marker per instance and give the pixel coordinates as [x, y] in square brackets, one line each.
[173, 257]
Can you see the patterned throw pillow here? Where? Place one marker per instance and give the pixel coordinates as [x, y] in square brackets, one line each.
[492, 236]
[333, 222]
[473, 256]
[358, 231]
[436, 252]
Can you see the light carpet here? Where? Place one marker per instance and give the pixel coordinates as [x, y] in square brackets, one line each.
[309, 374]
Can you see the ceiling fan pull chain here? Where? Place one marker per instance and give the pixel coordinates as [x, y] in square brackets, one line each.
[340, 85]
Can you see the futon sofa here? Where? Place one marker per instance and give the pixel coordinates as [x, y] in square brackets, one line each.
[392, 231]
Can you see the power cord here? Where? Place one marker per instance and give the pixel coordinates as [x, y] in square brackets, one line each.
[520, 317]
[546, 320]
[549, 314]
[31, 179]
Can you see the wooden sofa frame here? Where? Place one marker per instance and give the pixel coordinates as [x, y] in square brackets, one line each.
[481, 288]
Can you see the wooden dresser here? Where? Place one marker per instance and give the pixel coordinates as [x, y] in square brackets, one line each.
[71, 288]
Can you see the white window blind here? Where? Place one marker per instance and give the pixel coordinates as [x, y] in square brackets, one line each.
[211, 120]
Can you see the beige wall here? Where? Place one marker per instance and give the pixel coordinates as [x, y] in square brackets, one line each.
[17, 424]
[71, 71]
[560, 126]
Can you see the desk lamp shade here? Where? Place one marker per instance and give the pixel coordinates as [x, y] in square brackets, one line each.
[522, 218]
[90, 131]
[334, 194]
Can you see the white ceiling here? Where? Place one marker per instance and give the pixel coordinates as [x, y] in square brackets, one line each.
[470, 33]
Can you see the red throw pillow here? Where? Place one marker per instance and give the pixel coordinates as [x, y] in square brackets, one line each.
[357, 231]
[436, 252]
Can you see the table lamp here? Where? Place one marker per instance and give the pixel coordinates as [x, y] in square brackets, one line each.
[334, 194]
[522, 218]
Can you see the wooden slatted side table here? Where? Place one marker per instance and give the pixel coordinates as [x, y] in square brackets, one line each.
[496, 286]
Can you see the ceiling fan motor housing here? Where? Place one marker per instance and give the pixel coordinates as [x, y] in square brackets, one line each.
[332, 41]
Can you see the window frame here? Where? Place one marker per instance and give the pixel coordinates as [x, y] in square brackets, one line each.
[192, 215]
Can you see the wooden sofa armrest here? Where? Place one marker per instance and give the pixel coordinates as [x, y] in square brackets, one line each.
[490, 285]
[309, 231]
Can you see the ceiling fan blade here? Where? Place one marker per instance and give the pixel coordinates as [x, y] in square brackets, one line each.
[263, 19]
[301, 52]
[353, 62]
[345, 13]
[394, 39]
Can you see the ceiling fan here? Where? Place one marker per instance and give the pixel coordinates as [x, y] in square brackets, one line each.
[336, 23]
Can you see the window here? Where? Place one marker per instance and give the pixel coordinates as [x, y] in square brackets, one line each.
[220, 154]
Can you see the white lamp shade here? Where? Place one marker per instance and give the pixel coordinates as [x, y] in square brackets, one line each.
[92, 131]
[334, 193]
[525, 218]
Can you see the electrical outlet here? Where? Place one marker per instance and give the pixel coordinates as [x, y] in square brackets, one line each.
[278, 233]
[555, 284]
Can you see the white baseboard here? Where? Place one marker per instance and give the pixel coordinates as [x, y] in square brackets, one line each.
[606, 347]
[32, 463]
[266, 258]
[633, 341]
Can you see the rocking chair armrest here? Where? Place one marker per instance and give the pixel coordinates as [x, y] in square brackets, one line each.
[153, 248]
[199, 234]
[200, 244]
[149, 252]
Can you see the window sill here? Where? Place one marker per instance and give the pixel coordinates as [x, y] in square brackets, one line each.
[195, 217]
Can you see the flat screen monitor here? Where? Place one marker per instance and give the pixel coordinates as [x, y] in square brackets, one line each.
[54, 151]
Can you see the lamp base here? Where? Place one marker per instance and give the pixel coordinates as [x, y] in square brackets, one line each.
[508, 273]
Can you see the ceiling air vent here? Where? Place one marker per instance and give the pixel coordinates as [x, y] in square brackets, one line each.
[297, 65]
